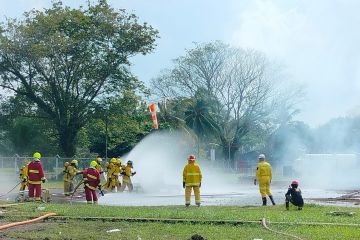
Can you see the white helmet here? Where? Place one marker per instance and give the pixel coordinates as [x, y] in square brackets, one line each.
[262, 156]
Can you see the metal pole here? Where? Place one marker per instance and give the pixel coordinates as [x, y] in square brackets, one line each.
[106, 136]
[56, 166]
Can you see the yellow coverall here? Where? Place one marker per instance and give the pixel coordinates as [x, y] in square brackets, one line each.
[69, 174]
[24, 180]
[192, 178]
[264, 176]
[127, 179]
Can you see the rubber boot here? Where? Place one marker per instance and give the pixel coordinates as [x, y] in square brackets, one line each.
[187, 205]
[272, 200]
[287, 205]
[198, 204]
[264, 201]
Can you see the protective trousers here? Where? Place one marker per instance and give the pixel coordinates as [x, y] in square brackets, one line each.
[188, 194]
[90, 195]
[35, 188]
[264, 186]
[126, 184]
[67, 188]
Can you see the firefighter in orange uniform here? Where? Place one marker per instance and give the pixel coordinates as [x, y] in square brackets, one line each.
[36, 176]
[192, 180]
[91, 181]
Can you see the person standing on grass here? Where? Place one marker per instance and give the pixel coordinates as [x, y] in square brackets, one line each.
[264, 176]
[192, 180]
[91, 181]
[36, 176]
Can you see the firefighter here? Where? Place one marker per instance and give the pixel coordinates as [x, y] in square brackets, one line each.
[36, 176]
[24, 178]
[127, 173]
[70, 172]
[91, 181]
[99, 166]
[113, 175]
[264, 176]
[192, 180]
[293, 195]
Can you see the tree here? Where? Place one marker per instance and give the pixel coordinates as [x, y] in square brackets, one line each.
[235, 80]
[64, 60]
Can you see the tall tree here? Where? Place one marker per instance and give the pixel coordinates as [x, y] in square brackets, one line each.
[235, 80]
[64, 60]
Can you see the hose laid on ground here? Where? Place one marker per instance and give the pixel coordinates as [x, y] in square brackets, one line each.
[9, 225]
[10, 190]
[75, 189]
[263, 223]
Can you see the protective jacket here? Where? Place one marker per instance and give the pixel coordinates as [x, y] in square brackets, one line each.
[35, 172]
[24, 173]
[263, 171]
[127, 174]
[295, 197]
[99, 168]
[91, 178]
[69, 173]
[192, 175]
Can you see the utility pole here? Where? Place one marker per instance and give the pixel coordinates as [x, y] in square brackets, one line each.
[106, 135]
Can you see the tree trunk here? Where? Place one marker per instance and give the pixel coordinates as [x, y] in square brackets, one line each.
[67, 139]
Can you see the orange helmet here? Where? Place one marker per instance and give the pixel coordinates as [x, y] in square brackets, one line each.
[191, 157]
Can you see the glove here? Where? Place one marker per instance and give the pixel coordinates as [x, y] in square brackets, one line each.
[254, 181]
[44, 180]
[183, 184]
[133, 173]
[24, 180]
[200, 185]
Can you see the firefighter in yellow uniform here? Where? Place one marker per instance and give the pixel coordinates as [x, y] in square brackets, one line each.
[264, 176]
[98, 166]
[113, 175]
[24, 180]
[106, 185]
[192, 180]
[127, 174]
[70, 172]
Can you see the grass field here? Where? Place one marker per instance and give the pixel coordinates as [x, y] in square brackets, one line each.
[78, 223]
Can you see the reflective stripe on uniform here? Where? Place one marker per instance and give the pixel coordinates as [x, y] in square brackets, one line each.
[33, 171]
[91, 187]
[91, 176]
[193, 174]
[192, 184]
[34, 182]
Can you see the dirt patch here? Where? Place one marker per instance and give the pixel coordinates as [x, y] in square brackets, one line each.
[29, 227]
[351, 198]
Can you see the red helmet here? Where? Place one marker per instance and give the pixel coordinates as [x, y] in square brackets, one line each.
[191, 157]
[295, 182]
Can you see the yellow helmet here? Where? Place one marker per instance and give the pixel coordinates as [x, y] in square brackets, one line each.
[74, 161]
[93, 164]
[113, 160]
[118, 161]
[107, 164]
[66, 164]
[99, 159]
[37, 155]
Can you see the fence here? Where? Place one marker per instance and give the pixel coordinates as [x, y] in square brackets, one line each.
[53, 166]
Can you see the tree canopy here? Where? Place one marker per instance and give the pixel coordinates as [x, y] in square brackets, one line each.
[64, 60]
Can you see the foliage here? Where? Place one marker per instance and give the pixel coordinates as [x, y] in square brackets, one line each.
[64, 59]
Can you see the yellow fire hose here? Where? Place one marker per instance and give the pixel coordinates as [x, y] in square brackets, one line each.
[10, 225]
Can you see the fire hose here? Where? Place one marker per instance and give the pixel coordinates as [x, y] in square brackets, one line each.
[10, 190]
[264, 224]
[9, 225]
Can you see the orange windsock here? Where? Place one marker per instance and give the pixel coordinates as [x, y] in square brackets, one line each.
[153, 115]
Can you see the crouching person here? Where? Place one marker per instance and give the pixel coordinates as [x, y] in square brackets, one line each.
[294, 196]
[91, 181]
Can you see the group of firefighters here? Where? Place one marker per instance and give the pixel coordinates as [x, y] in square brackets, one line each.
[32, 176]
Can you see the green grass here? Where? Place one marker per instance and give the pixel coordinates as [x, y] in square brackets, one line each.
[79, 229]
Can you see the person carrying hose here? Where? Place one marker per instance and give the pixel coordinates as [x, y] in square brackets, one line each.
[91, 181]
[70, 172]
[264, 176]
[24, 178]
[192, 180]
[36, 177]
[127, 174]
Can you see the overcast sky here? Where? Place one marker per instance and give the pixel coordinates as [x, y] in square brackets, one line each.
[318, 42]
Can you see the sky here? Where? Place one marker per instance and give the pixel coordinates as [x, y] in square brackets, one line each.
[316, 42]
